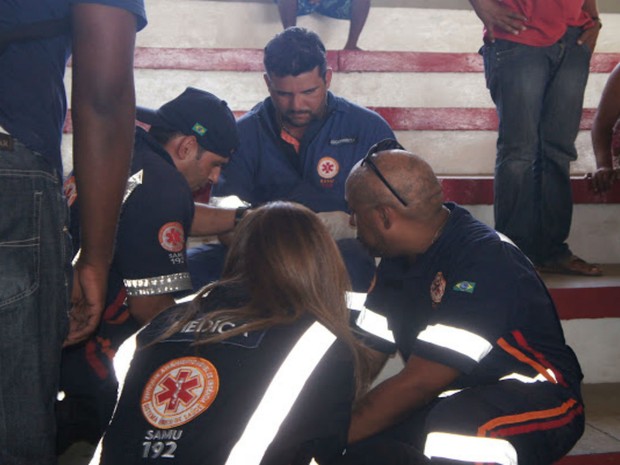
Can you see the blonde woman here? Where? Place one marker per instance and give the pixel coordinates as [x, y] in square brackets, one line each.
[260, 368]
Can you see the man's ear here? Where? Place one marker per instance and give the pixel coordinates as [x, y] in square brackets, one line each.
[267, 81]
[186, 147]
[328, 77]
[384, 214]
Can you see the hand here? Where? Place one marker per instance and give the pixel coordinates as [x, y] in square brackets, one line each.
[603, 179]
[495, 14]
[590, 36]
[87, 301]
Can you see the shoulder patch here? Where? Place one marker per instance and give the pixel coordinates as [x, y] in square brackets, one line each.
[465, 286]
[178, 391]
[172, 237]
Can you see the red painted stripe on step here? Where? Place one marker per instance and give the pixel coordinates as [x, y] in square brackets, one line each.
[245, 59]
[610, 458]
[479, 191]
[593, 302]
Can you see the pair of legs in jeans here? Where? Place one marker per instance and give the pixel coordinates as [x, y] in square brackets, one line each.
[538, 93]
[35, 273]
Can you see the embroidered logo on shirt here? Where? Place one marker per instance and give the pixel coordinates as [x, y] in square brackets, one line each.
[172, 237]
[70, 190]
[438, 287]
[346, 140]
[327, 167]
[199, 129]
[465, 286]
[179, 391]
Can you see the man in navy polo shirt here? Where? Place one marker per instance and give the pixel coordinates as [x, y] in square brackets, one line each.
[299, 144]
[488, 377]
[190, 139]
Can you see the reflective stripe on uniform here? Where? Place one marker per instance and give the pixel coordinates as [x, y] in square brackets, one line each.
[281, 395]
[457, 339]
[528, 379]
[470, 449]
[158, 284]
[374, 324]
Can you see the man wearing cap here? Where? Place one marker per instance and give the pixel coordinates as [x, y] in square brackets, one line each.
[299, 144]
[189, 140]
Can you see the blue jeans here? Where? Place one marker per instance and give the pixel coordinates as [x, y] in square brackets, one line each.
[35, 272]
[538, 93]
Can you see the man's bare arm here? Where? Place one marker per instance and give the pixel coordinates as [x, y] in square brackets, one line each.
[209, 220]
[607, 115]
[103, 109]
[417, 384]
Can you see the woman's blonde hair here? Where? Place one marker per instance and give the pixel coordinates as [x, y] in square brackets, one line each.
[286, 260]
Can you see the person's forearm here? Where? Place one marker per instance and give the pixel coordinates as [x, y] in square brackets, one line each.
[602, 140]
[384, 406]
[209, 220]
[590, 7]
[103, 109]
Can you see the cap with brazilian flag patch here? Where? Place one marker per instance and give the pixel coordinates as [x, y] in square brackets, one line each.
[197, 113]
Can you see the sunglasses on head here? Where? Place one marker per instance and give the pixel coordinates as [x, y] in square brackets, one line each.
[385, 144]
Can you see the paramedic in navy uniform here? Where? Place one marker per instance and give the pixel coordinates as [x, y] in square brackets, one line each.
[299, 144]
[261, 367]
[190, 138]
[488, 376]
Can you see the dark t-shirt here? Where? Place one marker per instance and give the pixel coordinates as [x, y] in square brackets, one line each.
[33, 102]
[192, 403]
[474, 302]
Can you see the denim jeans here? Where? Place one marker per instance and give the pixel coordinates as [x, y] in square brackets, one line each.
[35, 277]
[538, 93]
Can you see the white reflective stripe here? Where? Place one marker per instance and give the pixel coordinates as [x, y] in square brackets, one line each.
[375, 324]
[470, 449]
[280, 395]
[449, 393]
[528, 379]
[457, 339]
[356, 300]
[505, 238]
[134, 181]
[158, 285]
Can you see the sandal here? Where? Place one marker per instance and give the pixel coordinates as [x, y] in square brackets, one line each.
[571, 265]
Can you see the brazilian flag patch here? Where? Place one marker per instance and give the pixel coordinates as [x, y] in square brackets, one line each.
[199, 129]
[465, 286]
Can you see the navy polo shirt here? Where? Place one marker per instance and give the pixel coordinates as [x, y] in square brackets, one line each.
[266, 168]
[32, 92]
[473, 301]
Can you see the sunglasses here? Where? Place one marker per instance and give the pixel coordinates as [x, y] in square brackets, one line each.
[385, 144]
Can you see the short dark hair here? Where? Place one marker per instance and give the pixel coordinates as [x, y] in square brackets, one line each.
[163, 135]
[294, 51]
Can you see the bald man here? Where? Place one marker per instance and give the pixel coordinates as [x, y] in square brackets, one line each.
[488, 377]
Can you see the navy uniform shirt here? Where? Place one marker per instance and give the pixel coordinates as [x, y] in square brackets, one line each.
[150, 253]
[267, 168]
[32, 92]
[474, 302]
[191, 403]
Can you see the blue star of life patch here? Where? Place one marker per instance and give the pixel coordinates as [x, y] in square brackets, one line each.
[465, 286]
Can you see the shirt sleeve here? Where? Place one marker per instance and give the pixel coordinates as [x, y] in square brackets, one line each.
[151, 237]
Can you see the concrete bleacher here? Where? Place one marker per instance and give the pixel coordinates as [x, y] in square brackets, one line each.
[421, 71]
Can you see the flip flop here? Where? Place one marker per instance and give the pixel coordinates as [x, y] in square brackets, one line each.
[571, 265]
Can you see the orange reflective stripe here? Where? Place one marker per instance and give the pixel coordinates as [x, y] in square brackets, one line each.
[525, 359]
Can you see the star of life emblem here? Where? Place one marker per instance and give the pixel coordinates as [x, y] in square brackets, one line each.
[179, 391]
[438, 288]
[172, 237]
[327, 167]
